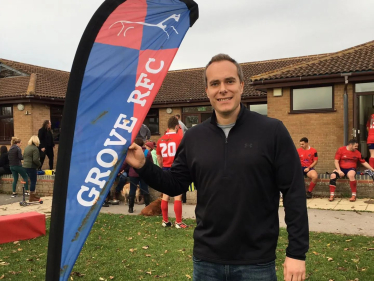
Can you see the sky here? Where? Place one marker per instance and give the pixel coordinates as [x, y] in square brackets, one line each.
[47, 32]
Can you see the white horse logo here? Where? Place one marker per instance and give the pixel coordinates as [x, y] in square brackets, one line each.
[159, 25]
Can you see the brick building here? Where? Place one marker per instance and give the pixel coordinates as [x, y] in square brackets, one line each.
[29, 95]
[306, 93]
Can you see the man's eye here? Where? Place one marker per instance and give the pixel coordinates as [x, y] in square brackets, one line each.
[214, 84]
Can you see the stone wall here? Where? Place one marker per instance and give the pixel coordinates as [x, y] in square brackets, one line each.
[365, 187]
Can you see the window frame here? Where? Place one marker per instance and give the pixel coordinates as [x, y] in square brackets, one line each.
[6, 117]
[153, 116]
[321, 110]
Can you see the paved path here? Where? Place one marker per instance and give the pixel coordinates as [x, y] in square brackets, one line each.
[324, 216]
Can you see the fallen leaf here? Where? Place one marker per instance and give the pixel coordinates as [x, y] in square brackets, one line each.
[348, 240]
[2, 276]
[315, 253]
[145, 247]
[329, 259]
[4, 263]
[370, 249]
[149, 272]
[166, 251]
[148, 255]
[16, 242]
[130, 238]
[188, 276]
[111, 277]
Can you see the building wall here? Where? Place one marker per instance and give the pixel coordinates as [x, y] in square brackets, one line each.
[163, 120]
[324, 130]
[26, 125]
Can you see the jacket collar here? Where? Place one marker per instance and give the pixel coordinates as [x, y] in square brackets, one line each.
[213, 119]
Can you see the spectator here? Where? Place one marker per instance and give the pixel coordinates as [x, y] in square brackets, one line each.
[370, 140]
[31, 163]
[150, 146]
[46, 144]
[135, 179]
[122, 179]
[239, 161]
[167, 147]
[346, 158]
[15, 157]
[181, 124]
[309, 158]
[144, 133]
[4, 161]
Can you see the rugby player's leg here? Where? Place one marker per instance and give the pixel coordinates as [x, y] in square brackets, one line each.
[353, 184]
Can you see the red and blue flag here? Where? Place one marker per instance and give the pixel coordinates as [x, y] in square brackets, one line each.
[121, 61]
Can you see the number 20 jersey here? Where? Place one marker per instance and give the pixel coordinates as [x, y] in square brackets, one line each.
[167, 146]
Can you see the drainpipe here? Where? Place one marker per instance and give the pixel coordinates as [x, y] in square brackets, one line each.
[345, 99]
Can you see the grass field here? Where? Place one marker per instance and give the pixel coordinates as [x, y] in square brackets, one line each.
[123, 247]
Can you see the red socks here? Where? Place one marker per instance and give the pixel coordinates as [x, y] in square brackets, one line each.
[178, 211]
[353, 185]
[164, 209]
[371, 162]
[311, 186]
[332, 189]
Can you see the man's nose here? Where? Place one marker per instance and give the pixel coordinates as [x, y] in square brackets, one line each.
[222, 88]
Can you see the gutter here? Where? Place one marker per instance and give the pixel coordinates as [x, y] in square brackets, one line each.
[305, 78]
[345, 99]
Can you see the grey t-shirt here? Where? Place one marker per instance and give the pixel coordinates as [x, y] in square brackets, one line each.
[226, 128]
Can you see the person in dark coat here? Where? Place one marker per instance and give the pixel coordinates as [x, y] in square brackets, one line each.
[15, 157]
[46, 144]
[4, 161]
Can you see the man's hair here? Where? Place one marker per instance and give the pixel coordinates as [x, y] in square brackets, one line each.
[352, 141]
[45, 124]
[34, 140]
[304, 139]
[172, 122]
[139, 141]
[178, 116]
[223, 57]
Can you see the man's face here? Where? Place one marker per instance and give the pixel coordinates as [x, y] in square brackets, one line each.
[303, 145]
[355, 146]
[224, 88]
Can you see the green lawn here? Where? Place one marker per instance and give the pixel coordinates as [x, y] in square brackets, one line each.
[137, 248]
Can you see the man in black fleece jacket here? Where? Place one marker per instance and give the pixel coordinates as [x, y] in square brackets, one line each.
[239, 161]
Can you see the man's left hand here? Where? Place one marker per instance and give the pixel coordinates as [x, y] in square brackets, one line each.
[293, 270]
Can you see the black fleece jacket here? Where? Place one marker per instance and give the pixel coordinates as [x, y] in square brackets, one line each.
[238, 180]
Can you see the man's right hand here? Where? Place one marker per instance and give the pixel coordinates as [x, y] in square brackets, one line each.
[341, 174]
[135, 156]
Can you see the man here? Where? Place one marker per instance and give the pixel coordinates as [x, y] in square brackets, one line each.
[181, 124]
[308, 158]
[144, 133]
[239, 161]
[346, 158]
[167, 146]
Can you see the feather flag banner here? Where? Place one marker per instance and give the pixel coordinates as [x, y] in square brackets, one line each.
[121, 62]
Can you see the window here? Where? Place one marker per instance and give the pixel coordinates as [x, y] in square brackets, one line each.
[194, 115]
[259, 108]
[6, 122]
[56, 117]
[151, 121]
[364, 87]
[318, 99]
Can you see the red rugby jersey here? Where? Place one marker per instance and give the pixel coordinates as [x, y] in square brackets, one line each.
[370, 125]
[348, 159]
[307, 156]
[167, 146]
